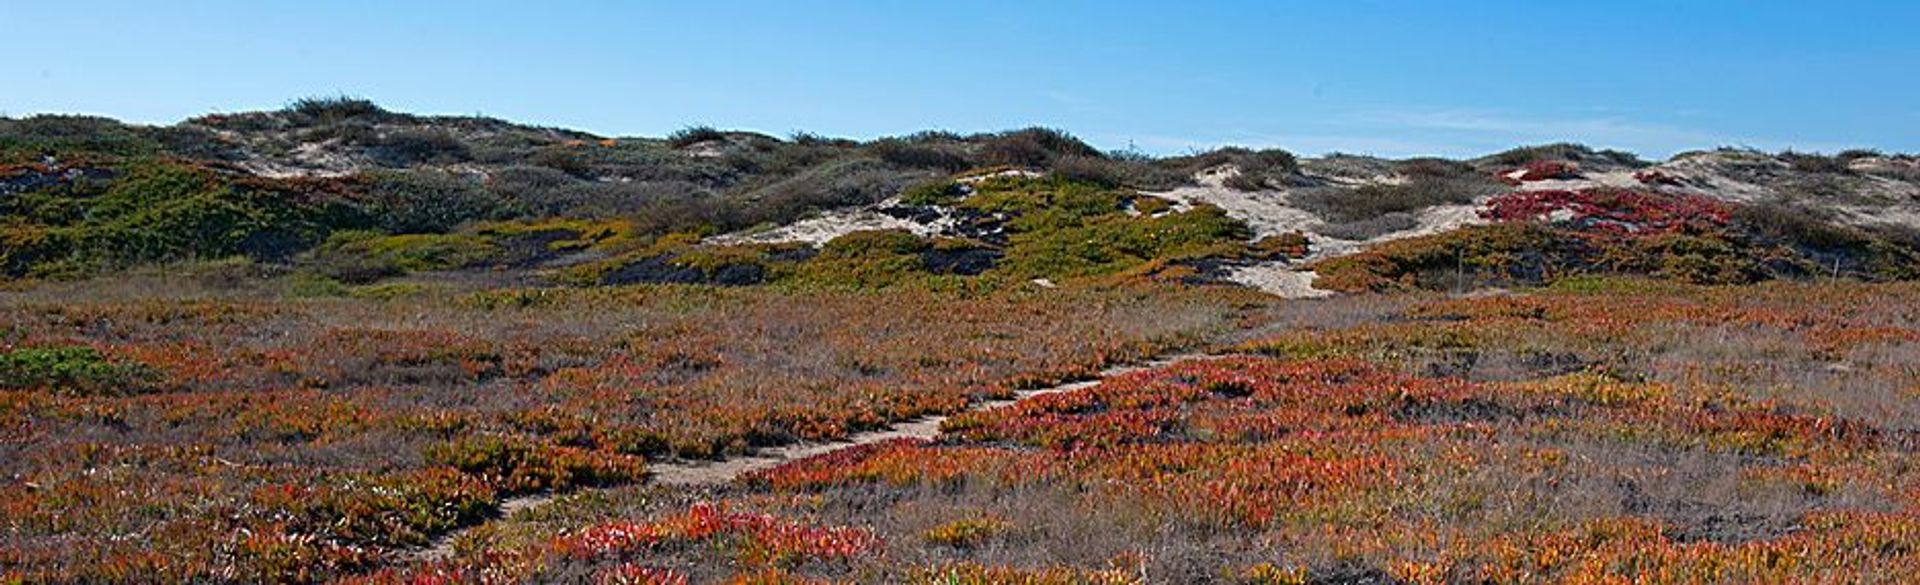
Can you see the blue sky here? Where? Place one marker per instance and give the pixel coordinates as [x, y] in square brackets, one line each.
[1390, 78]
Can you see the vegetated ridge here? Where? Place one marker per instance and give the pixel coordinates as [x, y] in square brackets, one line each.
[338, 193]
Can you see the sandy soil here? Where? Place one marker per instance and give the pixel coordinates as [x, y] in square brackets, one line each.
[1271, 213]
[833, 224]
[720, 472]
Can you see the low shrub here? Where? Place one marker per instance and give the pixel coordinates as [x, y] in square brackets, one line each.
[1372, 201]
[949, 158]
[839, 183]
[1265, 169]
[967, 532]
[1369, 228]
[72, 371]
[408, 202]
[1815, 163]
[165, 212]
[1514, 252]
[867, 259]
[410, 147]
[328, 110]
[940, 192]
[1034, 148]
[1564, 151]
[1117, 172]
[872, 242]
[517, 465]
[363, 256]
[692, 135]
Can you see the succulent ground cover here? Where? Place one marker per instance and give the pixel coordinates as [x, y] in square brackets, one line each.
[1537, 237]
[332, 342]
[172, 433]
[1597, 431]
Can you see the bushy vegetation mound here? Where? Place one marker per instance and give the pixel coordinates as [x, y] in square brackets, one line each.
[1578, 154]
[146, 212]
[1016, 229]
[354, 193]
[1543, 236]
[72, 371]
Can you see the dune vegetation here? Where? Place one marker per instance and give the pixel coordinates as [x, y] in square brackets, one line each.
[334, 343]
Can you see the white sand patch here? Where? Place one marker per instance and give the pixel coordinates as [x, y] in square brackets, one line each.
[1277, 279]
[1269, 213]
[1711, 175]
[1615, 179]
[833, 224]
[1432, 220]
[1019, 173]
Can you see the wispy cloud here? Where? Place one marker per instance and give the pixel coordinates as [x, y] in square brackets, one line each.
[1497, 127]
[1074, 102]
[1311, 144]
[1415, 131]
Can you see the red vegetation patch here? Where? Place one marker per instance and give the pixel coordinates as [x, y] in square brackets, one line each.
[1655, 178]
[756, 538]
[1614, 211]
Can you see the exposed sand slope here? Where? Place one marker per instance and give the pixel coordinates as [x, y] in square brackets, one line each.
[1272, 213]
[833, 224]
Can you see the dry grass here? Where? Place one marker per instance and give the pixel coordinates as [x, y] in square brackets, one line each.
[1622, 429]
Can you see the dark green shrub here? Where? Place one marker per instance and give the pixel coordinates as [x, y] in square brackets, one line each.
[1853, 154]
[527, 189]
[330, 110]
[1135, 173]
[1815, 163]
[1368, 202]
[427, 202]
[196, 142]
[1794, 225]
[1111, 244]
[1265, 169]
[810, 139]
[67, 136]
[1369, 228]
[360, 256]
[1032, 148]
[563, 158]
[940, 192]
[839, 183]
[162, 212]
[23, 248]
[867, 259]
[920, 155]
[1433, 168]
[416, 146]
[871, 242]
[72, 370]
[1352, 166]
[1577, 153]
[692, 135]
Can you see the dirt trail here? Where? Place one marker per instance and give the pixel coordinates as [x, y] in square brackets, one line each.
[721, 472]
[711, 473]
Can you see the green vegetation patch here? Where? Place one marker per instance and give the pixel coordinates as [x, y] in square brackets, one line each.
[73, 371]
[153, 211]
[1065, 229]
[361, 256]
